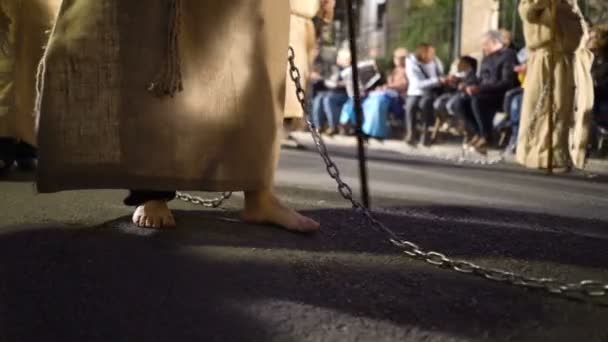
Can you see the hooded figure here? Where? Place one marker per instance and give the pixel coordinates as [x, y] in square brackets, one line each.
[166, 95]
[23, 26]
[564, 40]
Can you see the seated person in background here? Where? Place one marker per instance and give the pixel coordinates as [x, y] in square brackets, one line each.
[466, 75]
[377, 106]
[377, 102]
[496, 77]
[327, 104]
[598, 44]
[507, 39]
[513, 102]
[397, 83]
[325, 51]
[426, 79]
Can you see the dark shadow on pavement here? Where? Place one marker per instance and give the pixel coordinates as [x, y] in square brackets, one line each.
[16, 175]
[216, 279]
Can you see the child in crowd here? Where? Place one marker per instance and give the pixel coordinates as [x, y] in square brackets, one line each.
[466, 75]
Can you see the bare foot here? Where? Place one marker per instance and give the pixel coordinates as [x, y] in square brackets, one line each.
[153, 214]
[265, 208]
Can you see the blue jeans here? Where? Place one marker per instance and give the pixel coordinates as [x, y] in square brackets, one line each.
[514, 115]
[326, 108]
[396, 105]
[413, 106]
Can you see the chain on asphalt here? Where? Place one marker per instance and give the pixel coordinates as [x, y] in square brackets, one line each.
[585, 288]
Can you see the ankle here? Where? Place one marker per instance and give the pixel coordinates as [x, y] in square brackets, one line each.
[254, 198]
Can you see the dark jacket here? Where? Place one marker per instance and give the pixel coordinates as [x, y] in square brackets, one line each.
[497, 76]
[599, 72]
[470, 78]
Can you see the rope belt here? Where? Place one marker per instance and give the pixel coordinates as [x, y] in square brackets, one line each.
[168, 81]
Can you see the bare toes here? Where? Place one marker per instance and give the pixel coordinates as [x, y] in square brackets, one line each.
[157, 222]
[153, 214]
[309, 224]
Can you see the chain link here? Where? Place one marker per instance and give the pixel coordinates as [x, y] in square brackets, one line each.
[208, 203]
[587, 288]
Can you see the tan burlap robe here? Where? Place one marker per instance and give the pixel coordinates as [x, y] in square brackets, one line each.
[29, 19]
[573, 93]
[101, 128]
[302, 39]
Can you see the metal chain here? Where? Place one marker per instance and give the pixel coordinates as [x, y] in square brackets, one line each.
[208, 203]
[586, 288]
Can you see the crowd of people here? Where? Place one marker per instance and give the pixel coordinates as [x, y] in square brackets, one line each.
[422, 102]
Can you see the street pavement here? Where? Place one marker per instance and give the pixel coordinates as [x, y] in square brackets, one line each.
[73, 268]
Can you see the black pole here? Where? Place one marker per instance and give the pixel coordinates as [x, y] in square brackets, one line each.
[358, 108]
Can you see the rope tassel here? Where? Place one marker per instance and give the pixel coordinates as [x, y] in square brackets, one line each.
[169, 78]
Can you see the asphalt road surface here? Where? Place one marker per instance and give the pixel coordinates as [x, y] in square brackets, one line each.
[72, 267]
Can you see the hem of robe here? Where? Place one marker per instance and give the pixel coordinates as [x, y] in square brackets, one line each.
[541, 162]
[579, 158]
[119, 180]
[293, 116]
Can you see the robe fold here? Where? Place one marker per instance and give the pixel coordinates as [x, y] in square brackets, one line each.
[101, 127]
[23, 24]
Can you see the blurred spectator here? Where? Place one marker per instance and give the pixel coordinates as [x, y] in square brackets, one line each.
[397, 80]
[378, 102]
[376, 108]
[327, 104]
[507, 39]
[325, 51]
[598, 44]
[426, 79]
[325, 33]
[369, 78]
[513, 102]
[466, 74]
[397, 84]
[496, 77]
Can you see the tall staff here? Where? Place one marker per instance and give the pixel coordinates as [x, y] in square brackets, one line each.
[358, 109]
[551, 94]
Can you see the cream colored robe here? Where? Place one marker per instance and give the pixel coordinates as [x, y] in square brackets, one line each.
[26, 37]
[302, 39]
[101, 128]
[573, 93]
